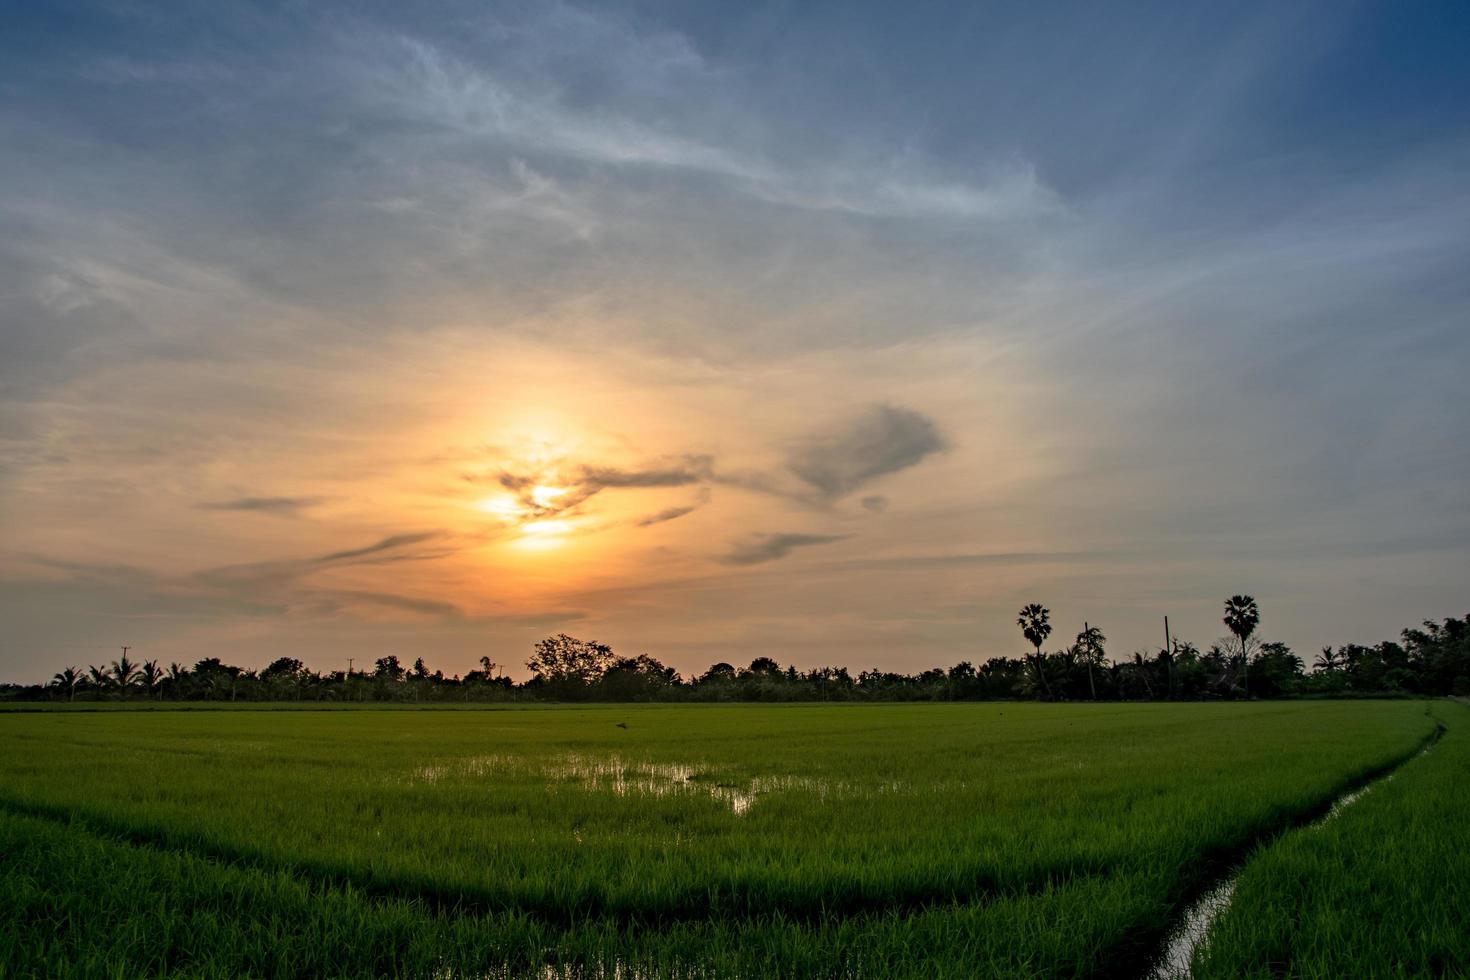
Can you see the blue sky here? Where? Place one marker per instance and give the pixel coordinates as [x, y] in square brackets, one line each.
[906, 314]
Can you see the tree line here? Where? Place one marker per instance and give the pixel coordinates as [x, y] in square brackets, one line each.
[1427, 661]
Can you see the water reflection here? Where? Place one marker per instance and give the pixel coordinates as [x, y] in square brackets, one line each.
[626, 778]
[623, 777]
[1177, 960]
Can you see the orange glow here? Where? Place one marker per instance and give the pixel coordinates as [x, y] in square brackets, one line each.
[548, 528]
[501, 505]
[544, 496]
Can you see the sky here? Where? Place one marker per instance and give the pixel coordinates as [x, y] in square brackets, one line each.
[827, 332]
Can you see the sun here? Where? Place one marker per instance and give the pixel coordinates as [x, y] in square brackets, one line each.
[533, 515]
[501, 505]
[545, 496]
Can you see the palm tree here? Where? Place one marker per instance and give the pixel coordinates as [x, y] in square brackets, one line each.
[1327, 661]
[68, 679]
[175, 677]
[1090, 644]
[150, 676]
[124, 673]
[1242, 617]
[1035, 623]
[99, 677]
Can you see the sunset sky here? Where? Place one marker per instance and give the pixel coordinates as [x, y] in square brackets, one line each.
[832, 333]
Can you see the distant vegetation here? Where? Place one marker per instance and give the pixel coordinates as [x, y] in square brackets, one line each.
[1431, 660]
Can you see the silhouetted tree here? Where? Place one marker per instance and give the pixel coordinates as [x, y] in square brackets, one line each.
[569, 666]
[67, 680]
[1242, 617]
[124, 673]
[150, 675]
[640, 678]
[1035, 623]
[1431, 660]
[388, 668]
[1090, 649]
[1278, 670]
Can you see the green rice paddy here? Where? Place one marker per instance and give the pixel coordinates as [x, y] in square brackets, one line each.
[858, 840]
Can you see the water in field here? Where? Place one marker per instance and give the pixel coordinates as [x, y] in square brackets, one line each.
[1176, 962]
[622, 777]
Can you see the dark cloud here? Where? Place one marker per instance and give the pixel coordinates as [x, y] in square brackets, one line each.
[689, 470]
[280, 506]
[98, 573]
[883, 440]
[668, 514]
[674, 513]
[991, 558]
[589, 481]
[341, 600]
[769, 547]
[876, 503]
[387, 544]
[284, 577]
[546, 620]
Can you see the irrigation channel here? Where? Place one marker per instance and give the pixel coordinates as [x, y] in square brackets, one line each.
[1176, 957]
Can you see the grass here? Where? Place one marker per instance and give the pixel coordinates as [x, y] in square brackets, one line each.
[863, 840]
[1380, 890]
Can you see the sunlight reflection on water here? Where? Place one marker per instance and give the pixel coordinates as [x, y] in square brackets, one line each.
[622, 777]
[1177, 961]
[592, 971]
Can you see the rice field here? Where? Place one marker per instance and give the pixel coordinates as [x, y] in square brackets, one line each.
[939, 840]
[1382, 889]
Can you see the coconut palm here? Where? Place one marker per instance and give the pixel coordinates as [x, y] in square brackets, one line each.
[68, 680]
[1035, 623]
[1242, 616]
[124, 673]
[99, 677]
[150, 675]
[1327, 661]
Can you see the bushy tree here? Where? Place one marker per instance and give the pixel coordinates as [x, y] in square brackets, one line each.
[388, 669]
[1089, 650]
[640, 678]
[1278, 670]
[569, 666]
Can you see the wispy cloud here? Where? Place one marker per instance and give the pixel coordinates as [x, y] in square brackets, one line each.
[392, 543]
[522, 104]
[761, 548]
[278, 506]
[668, 514]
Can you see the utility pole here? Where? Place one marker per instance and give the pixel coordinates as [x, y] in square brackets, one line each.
[349, 666]
[1169, 649]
